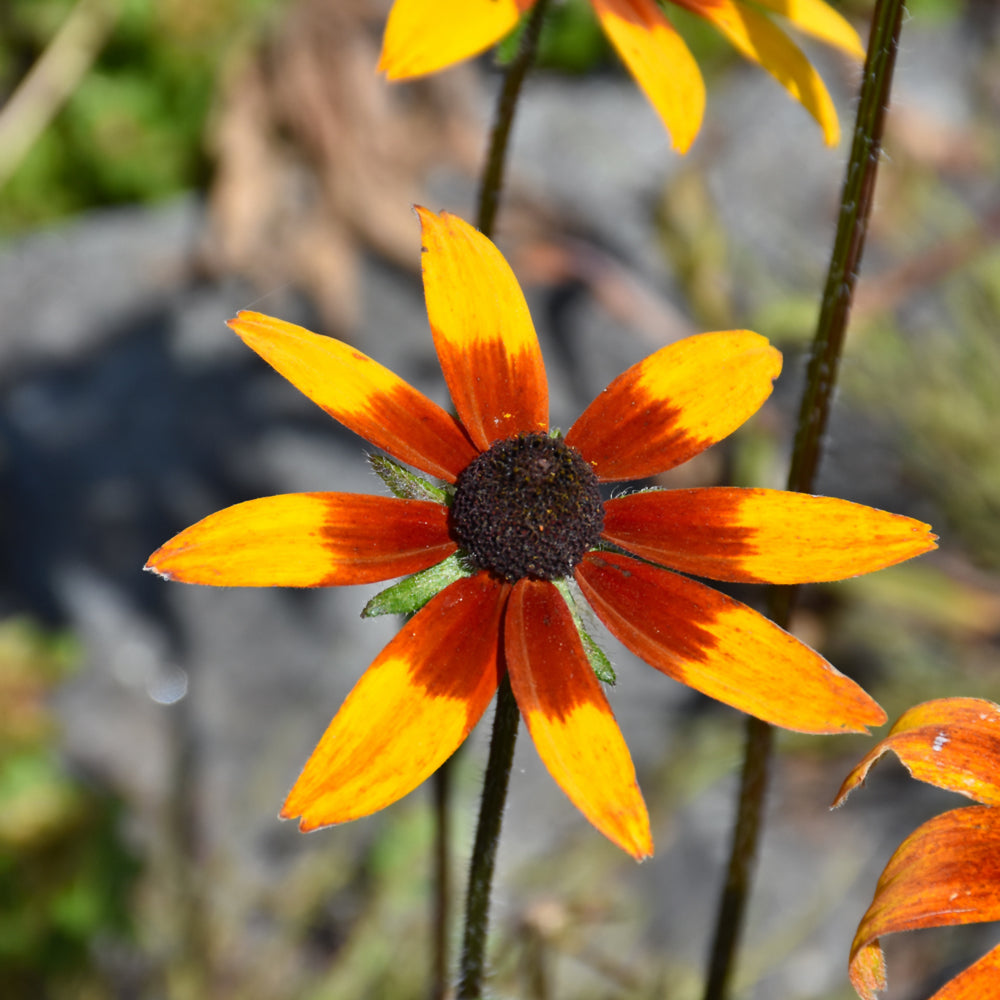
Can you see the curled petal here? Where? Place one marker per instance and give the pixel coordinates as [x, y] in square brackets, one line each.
[483, 333]
[722, 648]
[761, 536]
[953, 743]
[660, 62]
[569, 718]
[360, 393]
[424, 36]
[821, 21]
[308, 540]
[946, 872]
[409, 712]
[675, 403]
[763, 42]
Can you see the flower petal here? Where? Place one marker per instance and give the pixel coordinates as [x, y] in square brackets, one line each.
[721, 647]
[308, 540]
[979, 980]
[953, 743]
[363, 395]
[569, 717]
[763, 42]
[947, 872]
[660, 62]
[424, 36]
[819, 19]
[483, 332]
[761, 536]
[675, 403]
[410, 711]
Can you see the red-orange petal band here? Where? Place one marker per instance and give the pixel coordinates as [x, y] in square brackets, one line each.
[721, 647]
[308, 540]
[761, 536]
[569, 718]
[363, 395]
[409, 711]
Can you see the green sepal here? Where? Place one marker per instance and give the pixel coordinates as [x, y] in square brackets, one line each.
[599, 661]
[405, 484]
[596, 656]
[411, 594]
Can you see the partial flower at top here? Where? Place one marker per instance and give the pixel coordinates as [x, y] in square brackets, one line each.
[424, 36]
[503, 550]
[946, 872]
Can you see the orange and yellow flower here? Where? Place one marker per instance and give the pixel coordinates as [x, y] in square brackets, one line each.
[519, 531]
[947, 872]
[424, 36]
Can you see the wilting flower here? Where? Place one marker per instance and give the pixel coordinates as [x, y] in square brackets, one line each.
[947, 872]
[519, 519]
[423, 36]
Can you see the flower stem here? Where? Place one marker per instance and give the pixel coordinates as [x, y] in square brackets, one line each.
[505, 722]
[484, 851]
[814, 413]
[442, 784]
[503, 119]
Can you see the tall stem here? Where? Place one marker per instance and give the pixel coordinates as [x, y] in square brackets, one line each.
[814, 413]
[442, 785]
[484, 851]
[503, 119]
[505, 722]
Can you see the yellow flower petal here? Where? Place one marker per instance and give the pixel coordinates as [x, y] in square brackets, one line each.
[570, 720]
[483, 332]
[360, 393]
[410, 711]
[722, 648]
[660, 62]
[820, 20]
[424, 36]
[762, 41]
[761, 536]
[675, 403]
[308, 540]
[953, 743]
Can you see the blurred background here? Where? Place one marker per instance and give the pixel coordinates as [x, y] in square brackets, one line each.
[164, 163]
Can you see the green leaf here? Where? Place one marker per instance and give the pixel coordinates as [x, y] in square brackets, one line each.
[411, 594]
[405, 484]
[599, 661]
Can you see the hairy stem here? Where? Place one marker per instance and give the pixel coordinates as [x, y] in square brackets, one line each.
[484, 851]
[477, 905]
[503, 119]
[814, 414]
[442, 784]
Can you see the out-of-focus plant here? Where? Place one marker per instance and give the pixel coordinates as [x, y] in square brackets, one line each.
[65, 872]
[132, 129]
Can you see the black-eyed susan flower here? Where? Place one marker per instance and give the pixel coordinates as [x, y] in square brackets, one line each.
[947, 872]
[518, 528]
[424, 36]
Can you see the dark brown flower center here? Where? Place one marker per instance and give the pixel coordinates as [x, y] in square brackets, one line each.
[528, 507]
